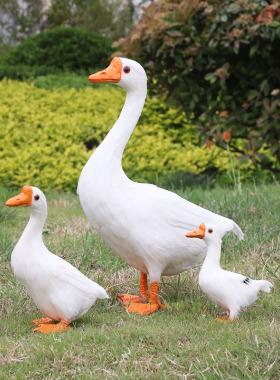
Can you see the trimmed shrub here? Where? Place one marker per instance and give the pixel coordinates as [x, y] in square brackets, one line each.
[46, 137]
[61, 48]
[22, 72]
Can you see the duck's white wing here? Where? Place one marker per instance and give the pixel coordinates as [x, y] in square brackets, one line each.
[240, 278]
[248, 283]
[66, 276]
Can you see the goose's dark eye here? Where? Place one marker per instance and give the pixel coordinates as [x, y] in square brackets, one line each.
[37, 197]
[126, 69]
[210, 231]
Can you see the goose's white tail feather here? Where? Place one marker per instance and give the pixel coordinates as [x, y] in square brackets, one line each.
[225, 224]
[264, 285]
[237, 231]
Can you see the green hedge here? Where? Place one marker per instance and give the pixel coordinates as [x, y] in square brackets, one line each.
[59, 48]
[46, 137]
[23, 72]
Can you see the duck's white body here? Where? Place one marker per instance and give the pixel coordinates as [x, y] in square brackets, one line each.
[143, 224]
[232, 291]
[59, 290]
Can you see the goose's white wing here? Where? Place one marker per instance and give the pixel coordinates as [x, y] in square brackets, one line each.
[179, 212]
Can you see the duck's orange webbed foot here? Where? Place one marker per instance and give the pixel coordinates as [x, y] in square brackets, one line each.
[48, 328]
[38, 322]
[225, 320]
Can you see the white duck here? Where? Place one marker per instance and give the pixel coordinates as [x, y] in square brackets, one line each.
[232, 291]
[143, 224]
[59, 290]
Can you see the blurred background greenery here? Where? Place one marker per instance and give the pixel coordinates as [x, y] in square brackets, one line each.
[212, 113]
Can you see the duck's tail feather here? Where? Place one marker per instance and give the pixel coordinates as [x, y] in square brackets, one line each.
[103, 294]
[99, 291]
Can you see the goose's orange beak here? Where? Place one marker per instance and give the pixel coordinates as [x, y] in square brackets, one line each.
[23, 199]
[112, 74]
[200, 233]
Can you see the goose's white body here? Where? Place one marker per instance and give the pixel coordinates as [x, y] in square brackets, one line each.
[145, 225]
[59, 290]
[232, 291]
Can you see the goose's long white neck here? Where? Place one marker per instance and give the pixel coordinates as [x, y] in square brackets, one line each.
[116, 140]
[34, 230]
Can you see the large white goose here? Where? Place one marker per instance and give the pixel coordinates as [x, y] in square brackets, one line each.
[144, 224]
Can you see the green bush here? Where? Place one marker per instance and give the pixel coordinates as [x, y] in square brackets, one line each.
[46, 137]
[22, 72]
[220, 61]
[60, 48]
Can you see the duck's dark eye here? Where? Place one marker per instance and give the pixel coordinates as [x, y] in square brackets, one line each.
[210, 231]
[37, 197]
[126, 69]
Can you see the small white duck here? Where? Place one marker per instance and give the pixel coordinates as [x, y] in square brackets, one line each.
[143, 224]
[59, 290]
[232, 291]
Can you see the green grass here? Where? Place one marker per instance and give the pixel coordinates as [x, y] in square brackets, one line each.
[183, 341]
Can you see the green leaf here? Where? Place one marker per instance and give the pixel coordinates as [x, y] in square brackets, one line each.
[224, 18]
[253, 50]
[252, 95]
[274, 24]
[174, 33]
[263, 84]
[208, 76]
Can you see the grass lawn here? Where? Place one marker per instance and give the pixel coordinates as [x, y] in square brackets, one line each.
[182, 342]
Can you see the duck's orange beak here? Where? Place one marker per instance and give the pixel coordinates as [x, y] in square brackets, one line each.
[23, 199]
[112, 74]
[200, 233]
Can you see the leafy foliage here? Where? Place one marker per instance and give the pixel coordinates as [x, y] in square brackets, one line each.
[220, 61]
[110, 17]
[60, 48]
[19, 20]
[46, 137]
[23, 72]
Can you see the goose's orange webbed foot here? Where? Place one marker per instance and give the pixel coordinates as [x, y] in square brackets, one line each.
[38, 322]
[127, 299]
[147, 308]
[48, 328]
